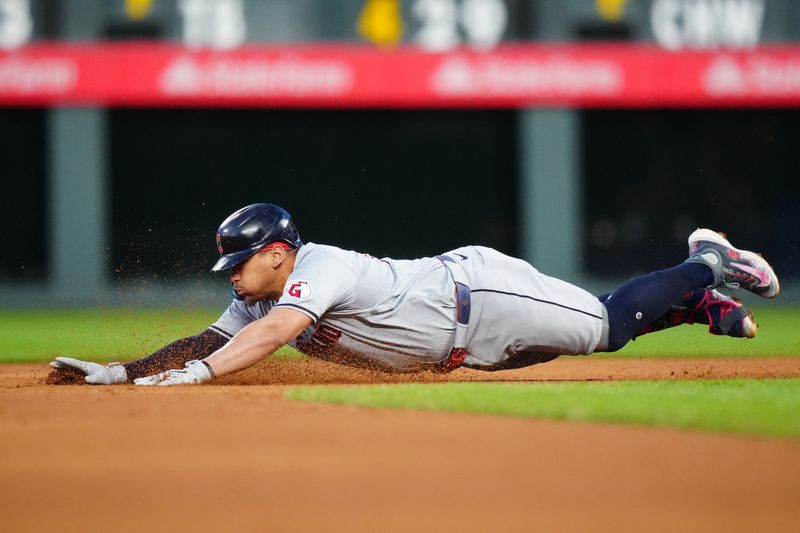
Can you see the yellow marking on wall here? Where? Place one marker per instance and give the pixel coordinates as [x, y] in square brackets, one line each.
[138, 9]
[611, 10]
[381, 22]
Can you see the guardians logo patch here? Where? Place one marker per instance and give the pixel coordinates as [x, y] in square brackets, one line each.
[299, 289]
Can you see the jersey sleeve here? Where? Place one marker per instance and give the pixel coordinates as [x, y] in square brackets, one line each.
[317, 286]
[238, 315]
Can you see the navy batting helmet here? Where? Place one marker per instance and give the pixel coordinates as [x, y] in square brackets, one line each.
[251, 228]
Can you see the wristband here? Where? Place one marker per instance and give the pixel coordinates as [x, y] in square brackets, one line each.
[210, 370]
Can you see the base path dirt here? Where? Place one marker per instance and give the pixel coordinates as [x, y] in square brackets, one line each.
[237, 456]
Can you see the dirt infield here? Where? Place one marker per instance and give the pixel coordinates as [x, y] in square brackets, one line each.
[236, 456]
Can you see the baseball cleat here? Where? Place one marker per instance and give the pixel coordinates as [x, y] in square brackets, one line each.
[722, 314]
[732, 267]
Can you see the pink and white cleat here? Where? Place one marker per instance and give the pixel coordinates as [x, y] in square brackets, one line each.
[724, 315]
[732, 267]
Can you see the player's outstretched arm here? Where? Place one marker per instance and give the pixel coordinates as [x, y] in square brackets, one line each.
[176, 354]
[172, 355]
[252, 344]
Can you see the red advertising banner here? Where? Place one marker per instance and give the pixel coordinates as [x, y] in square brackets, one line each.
[510, 76]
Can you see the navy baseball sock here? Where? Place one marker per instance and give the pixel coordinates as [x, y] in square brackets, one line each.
[644, 299]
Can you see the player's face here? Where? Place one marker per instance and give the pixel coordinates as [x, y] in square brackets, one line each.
[255, 279]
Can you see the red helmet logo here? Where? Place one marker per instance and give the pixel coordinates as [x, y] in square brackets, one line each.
[219, 243]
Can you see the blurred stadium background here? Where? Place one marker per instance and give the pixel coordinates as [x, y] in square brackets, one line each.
[588, 136]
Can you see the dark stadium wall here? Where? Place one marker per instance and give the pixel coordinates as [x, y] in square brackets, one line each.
[409, 183]
[396, 183]
[23, 204]
[652, 176]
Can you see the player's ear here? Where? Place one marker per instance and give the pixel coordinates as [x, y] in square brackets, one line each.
[278, 256]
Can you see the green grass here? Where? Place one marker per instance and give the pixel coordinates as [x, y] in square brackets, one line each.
[763, 407]
[124, 334]
[96, 334]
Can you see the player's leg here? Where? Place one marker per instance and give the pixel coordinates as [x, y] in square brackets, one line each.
[723, 314]
[714, 262]
[644, 299]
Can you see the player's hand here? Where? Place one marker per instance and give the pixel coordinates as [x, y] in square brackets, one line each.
[195, 372]
[95, 373]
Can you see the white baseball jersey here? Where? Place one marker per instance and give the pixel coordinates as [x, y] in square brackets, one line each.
[401, 314]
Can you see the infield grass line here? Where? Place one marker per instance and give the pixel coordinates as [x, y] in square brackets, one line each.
[119, 334]
[769, 407]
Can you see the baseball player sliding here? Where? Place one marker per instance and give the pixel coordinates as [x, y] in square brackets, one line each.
[472, 307]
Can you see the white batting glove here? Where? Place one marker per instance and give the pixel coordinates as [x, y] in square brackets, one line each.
[95, 373]
[195, 372]
[155, 379]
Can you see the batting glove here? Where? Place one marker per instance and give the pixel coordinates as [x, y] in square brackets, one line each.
[195, 372]
[95, 373]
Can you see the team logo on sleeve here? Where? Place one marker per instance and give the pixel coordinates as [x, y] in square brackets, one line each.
[299, 289]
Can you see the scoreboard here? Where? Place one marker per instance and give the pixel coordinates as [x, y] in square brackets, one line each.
[433, 25]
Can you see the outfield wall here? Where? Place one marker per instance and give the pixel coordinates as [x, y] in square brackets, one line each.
[400, 183]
